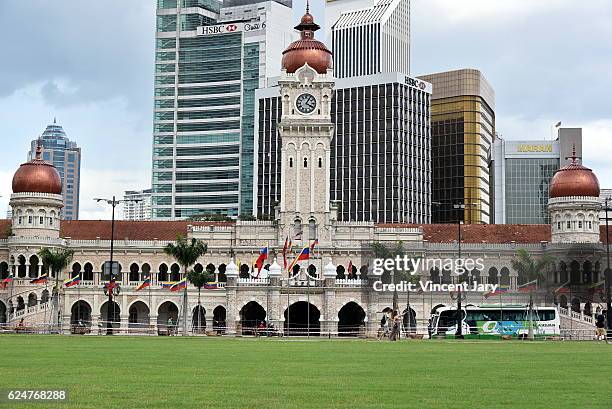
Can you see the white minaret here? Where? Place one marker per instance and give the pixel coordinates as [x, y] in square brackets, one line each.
[306, 130]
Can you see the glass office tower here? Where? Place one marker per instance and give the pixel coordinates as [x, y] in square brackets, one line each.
[462, 135]
[66, 157]
[210, 58]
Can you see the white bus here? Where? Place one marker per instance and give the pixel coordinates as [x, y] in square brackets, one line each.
[494, 320]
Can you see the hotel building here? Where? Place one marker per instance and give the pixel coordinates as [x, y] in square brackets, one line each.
[523, 171]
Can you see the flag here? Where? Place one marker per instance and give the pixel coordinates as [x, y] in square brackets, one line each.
[71, 282]
[40, 280]
[314, 243]
[304, 255]
[6, 281]
[179, 285]
[168, 285]
[211, 286]
[285, 253]
[146, 283]
[528, 287]
[597, 287]
[298, 235]
[498, 291]
[263, 255]
[349, 270]
[564, 289]
[110, 285]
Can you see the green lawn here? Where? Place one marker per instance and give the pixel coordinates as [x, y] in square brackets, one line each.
[161, 372]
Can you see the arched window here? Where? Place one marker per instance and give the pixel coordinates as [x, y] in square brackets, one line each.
[320, 162]
[297, 228]
[305, 162]
[290, 162]
[312, 229]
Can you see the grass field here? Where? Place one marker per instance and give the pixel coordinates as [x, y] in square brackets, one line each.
[160, 372]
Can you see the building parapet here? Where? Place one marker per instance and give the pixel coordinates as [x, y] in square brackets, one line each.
[583, 199]
[39, 195]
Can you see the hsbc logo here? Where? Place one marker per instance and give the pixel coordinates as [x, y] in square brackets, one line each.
[412, 82]
[230, 28]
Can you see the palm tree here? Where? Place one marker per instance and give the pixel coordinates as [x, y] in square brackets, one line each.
[186, 253]
[198, 279]
[56, 260]
[383, 252]
[531, 269]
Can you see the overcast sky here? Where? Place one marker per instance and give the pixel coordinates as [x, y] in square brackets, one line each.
[90, 64]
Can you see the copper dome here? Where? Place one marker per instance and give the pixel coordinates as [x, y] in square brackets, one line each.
[37, 176]
[574, 180]
[307, 49]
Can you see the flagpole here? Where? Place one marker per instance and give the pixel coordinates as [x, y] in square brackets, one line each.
[308, 297]
[150, 297]
[501, 317]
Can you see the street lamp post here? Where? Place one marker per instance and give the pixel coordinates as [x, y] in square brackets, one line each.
[112, 289]
[459, 331]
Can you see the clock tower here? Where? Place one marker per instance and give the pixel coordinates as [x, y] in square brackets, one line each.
[306, 130]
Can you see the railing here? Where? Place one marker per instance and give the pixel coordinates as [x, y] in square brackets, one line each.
[305, 283]
[33, 309]
[253, 281]
[350, 282]
[576, 315]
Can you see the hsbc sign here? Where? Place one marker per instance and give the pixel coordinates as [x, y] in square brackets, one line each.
[230, 28]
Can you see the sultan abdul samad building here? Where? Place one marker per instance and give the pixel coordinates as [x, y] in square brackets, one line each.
[318, 290]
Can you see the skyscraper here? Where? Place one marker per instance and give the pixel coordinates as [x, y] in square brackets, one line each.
[65, 155]
[209, 61]
[462, 134]
[369, 37]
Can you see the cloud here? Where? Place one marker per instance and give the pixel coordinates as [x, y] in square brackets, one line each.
[105, 184]
[100, 49]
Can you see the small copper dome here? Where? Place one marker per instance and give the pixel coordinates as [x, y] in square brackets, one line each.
[37, 176]
[574, 180]
[307, 49]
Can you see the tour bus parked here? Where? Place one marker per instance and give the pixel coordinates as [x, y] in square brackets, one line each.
[495, 320]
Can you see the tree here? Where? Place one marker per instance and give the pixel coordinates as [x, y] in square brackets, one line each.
[186, 253]
[198, 279]
[56, 260]
[530, 269]
[397, 275]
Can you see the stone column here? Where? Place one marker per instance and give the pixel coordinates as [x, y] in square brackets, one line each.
[124, 322]
[231, 272]
[329, 325]
[275, 314]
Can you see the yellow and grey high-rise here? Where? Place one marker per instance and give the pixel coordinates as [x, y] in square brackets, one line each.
[462, 134]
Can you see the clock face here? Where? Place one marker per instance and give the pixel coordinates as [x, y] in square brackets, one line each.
[305, 103]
